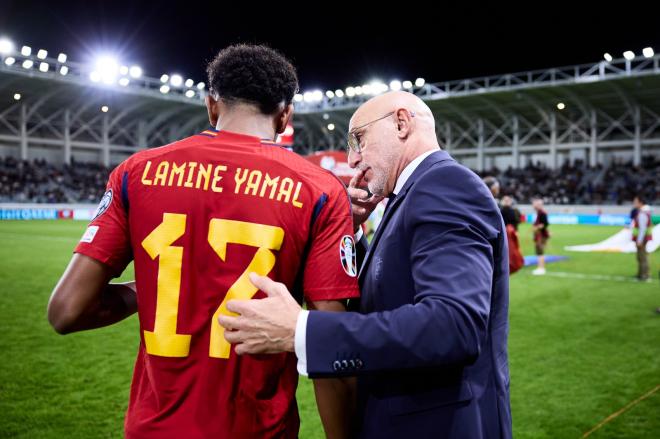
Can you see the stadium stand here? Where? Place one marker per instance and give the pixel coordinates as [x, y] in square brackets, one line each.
[576, 183]
[39, 181]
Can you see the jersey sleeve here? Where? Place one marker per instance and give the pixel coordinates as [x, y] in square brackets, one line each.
[331, 267]
[107, 236]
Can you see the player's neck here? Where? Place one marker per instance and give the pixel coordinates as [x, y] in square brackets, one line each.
[247, 123]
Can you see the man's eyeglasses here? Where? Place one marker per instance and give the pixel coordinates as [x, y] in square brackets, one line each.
[354, 135]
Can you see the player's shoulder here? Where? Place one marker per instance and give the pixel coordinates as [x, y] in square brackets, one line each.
[306, 170]
[145, 155]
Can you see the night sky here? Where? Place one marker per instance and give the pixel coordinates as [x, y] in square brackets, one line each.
[334, 45]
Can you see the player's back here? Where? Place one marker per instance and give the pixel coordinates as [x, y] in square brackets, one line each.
[202, 214]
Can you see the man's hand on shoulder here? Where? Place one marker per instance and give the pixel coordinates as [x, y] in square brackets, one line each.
[264, 326]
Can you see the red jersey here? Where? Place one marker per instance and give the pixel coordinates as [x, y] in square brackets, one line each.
[197, 216]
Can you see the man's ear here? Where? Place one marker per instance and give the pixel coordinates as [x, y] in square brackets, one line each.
[282, 119]
[404, 121]
[212, 109]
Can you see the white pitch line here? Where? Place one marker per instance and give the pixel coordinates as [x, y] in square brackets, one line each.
[600, 277]
[18, 235]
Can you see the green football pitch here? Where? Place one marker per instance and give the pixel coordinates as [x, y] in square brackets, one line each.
[584, 346]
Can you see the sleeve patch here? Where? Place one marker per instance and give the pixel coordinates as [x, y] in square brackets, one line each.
[104, 204]
[90, 233]
[347, 255]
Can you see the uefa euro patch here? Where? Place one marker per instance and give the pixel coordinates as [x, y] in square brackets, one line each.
[104, 204]
[347, 255]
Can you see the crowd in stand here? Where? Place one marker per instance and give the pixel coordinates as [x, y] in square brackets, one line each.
[576, 183]
[39, 181]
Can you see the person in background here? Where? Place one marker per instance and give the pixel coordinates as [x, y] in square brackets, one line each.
[493, 185]
[516, 260]
[541, 235]
[641, 234]
[509, 213]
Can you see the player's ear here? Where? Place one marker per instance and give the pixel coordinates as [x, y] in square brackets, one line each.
[212, 109]
[282, 119]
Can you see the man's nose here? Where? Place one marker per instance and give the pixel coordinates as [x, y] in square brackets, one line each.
[353, 158]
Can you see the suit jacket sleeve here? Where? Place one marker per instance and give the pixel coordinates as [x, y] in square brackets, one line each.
[451, 224]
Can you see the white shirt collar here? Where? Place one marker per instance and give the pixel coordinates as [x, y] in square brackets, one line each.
[408, 170]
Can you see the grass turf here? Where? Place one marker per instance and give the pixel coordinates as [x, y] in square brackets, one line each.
[580, 349]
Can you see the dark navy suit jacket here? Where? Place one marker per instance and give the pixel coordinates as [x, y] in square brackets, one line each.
[429, 343]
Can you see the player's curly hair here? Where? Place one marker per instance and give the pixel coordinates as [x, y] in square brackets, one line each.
[253, 74]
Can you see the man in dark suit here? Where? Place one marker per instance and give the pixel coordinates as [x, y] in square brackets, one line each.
[429, 343]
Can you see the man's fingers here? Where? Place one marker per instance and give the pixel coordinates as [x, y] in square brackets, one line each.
[358, 195]
[356, 179]
[229, 322]
[234, 337]
[375, 199]
[239, 306]
[267, 285]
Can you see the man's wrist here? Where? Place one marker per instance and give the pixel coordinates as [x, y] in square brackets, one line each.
[300, 341]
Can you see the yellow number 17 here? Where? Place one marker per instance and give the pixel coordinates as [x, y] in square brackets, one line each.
[164, 341]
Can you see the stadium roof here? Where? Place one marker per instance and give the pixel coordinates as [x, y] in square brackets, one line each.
[144, 112]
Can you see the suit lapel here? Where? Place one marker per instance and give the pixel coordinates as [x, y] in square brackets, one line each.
[379, 231]
[426, 164]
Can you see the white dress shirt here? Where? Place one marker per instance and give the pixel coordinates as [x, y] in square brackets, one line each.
[300, 343]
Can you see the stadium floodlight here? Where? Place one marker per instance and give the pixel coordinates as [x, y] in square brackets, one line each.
[376, 87]
[135, 71]
[339, 93]
[6, 46]
[407, 85]
[43, 67]
[350, 92]
[395, 85]
[42, 54]
[164, 89]
[317, 95]
[108, 68]
[607, 57]
[297, 97]
[330, 94]
[419, 82]
[17, 96]
[331, 126]
[10, 60]
[105, 108]
[201, 86]
[64, 70]
[164, 78]
[176, 80]
[190, 93]
[629, 55]
[189, 83]
[26, 50]
[124, 81]
[358, 90]
[61, 58]
[648, 52]
[28, 63]
[123, 70]
[561, 106]
[326, 116]
[308, 96]
[366, 89]
[95, 76]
